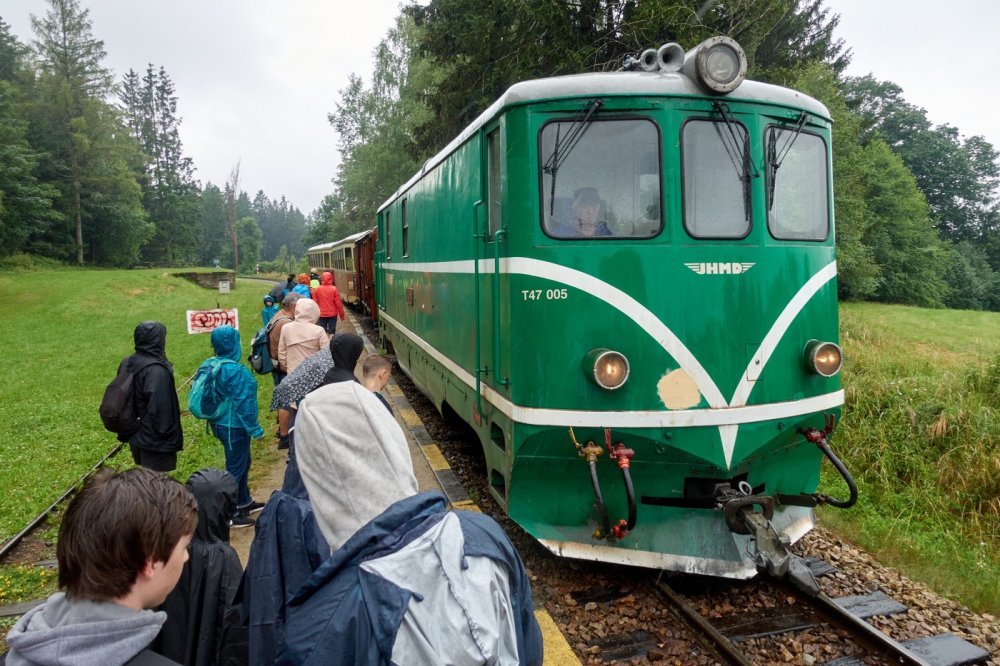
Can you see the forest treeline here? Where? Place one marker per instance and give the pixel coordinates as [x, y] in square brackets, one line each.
[916, 203]
[93, 171]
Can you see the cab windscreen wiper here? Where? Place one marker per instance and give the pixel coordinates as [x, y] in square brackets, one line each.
[739, 153]
[565, 145]
[774, 159]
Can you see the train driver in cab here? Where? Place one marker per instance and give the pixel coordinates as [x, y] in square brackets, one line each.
[588, 218]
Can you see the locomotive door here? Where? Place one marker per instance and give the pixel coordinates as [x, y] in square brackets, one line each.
[491, 241]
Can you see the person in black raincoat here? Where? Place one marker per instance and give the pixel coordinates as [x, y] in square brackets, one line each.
[159, 437]
[345, 348]
[286, 549]
[195, 609]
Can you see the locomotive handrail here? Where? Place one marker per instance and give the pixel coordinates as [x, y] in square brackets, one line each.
[498, 235]
[476, 236]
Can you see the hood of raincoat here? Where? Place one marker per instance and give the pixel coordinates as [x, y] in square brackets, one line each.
[345, 349]
[226, 343]
[215, 492]
[68, 632]
[150, 338]
[303, 279]
[195, 608]
[345, 440]
[327, 278]
[306, 310]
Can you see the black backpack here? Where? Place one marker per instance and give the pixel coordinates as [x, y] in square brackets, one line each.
[118, 405]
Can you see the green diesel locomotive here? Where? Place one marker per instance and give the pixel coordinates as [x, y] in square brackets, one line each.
[625, 282]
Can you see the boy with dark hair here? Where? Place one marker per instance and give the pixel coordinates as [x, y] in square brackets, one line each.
[122, 545]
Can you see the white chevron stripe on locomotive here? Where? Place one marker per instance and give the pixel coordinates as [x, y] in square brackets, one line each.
[726, 415]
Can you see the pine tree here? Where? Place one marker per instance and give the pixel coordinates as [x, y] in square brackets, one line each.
[72, 74]
[25, 203]
[169, 190]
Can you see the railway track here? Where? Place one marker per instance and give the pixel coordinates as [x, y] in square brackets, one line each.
[727, 634]
[7, 548]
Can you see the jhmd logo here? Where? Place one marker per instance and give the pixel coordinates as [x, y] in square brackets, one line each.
[720, 268]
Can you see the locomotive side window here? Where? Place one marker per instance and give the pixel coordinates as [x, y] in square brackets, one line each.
[406, 232]
[600, 179]
[798, 206]
[716, 183]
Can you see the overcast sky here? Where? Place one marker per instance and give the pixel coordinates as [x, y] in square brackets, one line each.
[256, 78]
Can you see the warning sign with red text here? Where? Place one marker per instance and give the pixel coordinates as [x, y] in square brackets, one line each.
[206, 321]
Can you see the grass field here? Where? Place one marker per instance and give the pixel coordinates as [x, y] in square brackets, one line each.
[921, 434]
[65, 332]
[920, 431]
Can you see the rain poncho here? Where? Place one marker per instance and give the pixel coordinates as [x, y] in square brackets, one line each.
[302, 288]
[301, 338]
[196, 607]
[236, 382]
[286, 549]
[155, 393]
[417, 585]
[270, 309]
[327, 296]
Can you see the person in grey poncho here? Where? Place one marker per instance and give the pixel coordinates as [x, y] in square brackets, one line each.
[408, 581]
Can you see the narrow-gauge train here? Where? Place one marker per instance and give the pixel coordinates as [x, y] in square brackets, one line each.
[625, 282]
[351, 260]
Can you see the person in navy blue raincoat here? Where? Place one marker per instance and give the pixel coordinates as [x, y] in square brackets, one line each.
[286, 549]
[409, 582]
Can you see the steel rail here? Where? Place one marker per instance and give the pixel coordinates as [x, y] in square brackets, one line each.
[7, 547]
[711, 638]
[16, 539]
[876, 642]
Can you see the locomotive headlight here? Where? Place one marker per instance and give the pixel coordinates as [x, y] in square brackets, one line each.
[824, 358]
[608, 369]
[718, 64]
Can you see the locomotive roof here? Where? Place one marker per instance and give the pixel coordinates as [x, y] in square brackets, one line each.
[343, 241]
[598, 84]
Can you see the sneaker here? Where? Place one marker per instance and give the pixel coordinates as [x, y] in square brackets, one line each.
[240, 521]
[282, 443]
[252, 508]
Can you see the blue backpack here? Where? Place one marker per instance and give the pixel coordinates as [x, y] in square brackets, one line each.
[205, 400]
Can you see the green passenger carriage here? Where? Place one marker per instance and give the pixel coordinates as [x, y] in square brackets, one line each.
[626, 284]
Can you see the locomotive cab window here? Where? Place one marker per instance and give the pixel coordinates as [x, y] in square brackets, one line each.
[388, 234]
[406, 231]
[716, 162]
[798, 206]
[600, 179]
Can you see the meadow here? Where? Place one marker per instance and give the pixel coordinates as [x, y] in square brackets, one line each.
[65, 331]
[920, 429]
[921, 434]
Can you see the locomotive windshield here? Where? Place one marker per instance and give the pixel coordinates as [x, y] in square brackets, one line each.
[607, 184]
[798, 206]
[715, 179]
